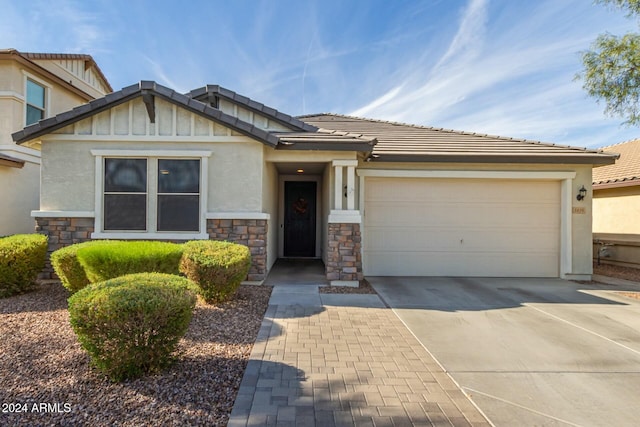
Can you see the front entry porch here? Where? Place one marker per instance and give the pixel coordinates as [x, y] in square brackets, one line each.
[292, 271]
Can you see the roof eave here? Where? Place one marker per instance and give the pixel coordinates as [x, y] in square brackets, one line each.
[11, 162]
[364, 147]
[507, 158]
[616, 184]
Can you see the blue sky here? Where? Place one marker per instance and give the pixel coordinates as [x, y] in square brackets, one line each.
[502, 67]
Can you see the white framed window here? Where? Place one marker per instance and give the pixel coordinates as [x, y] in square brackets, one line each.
[36, 101]
[159, 194]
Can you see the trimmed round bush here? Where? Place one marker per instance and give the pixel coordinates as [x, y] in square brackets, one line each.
[103, 261]
[131, 325]
[22, 257]
[68, 268]
[216, 267]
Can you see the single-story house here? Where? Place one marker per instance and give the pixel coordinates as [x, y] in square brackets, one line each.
[616, 206]
[368, 197]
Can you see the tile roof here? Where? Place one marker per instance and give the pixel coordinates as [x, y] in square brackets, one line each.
[405, 142]
[626, 171]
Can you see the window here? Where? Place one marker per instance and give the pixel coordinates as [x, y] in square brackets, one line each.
[178, 195]
[125, 194]
[35, 102]
[151, 194]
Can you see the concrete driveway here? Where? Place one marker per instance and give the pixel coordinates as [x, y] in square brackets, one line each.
[529, 351]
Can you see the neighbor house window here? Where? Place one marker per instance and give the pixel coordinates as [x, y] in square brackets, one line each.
[151, 194]
[35, 102]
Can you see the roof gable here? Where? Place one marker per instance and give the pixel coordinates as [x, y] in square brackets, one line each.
[245, 108]
[147, 91]
[82, 66]
[131, 120]
[403, 142]
[77, 72]
[626, 171]
[149, 101]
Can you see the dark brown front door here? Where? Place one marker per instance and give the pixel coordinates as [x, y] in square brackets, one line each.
[299, 219]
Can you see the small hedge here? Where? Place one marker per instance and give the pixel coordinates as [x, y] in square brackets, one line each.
[131, 325]
[22, 257]
[117, 258]
[68, 268]
[216, 267]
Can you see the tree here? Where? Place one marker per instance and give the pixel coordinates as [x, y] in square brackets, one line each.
[612, 68]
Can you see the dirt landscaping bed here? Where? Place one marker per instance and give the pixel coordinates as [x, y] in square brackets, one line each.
[46, 378]
[627, 273]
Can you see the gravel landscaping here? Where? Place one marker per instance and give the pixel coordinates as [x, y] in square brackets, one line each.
[46, 378]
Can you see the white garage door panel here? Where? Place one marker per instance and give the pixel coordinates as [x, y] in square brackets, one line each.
[459, 265]
[461, 240]
[461, 227]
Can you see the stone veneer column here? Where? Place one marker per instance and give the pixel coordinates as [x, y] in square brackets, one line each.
[248, 232]
[344, 257]
[62, 232]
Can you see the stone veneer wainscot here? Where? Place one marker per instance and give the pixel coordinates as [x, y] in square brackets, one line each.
[249, 232]
[344, 258]
[62, 232]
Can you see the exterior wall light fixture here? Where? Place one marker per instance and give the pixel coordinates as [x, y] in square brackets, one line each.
[582, 192]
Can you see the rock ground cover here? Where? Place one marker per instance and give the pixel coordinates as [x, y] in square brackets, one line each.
[46, 378]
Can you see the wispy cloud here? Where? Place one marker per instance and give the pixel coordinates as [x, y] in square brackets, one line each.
[500, 77]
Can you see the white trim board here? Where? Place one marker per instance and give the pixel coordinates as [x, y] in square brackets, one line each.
[467, 174]
[132, 235]
[63, 214]
[152, 153]
[238, 215]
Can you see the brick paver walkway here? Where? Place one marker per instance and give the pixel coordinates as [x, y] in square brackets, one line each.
[341, 365]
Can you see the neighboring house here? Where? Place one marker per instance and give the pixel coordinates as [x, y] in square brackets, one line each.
[616, 206]
[35, 86]
[368, 197]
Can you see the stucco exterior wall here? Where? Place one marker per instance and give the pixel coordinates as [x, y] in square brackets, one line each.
[235, 164]
[19, 193]
[13, 77]
[617, 210]
[234, 173]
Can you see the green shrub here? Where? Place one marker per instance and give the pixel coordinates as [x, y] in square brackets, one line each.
[131, 325]
[107, 261]
[216, 267]
[22, 257]
[68, 268]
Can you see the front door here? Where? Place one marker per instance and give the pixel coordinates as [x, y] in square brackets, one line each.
[299, 219]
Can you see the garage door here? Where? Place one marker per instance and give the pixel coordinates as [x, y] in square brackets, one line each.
[461, 227]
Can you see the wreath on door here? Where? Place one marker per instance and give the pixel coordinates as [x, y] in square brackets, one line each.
[300, 206]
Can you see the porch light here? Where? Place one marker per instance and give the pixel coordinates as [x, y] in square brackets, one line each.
[164, 172]
[582, 192]
[300, 170]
